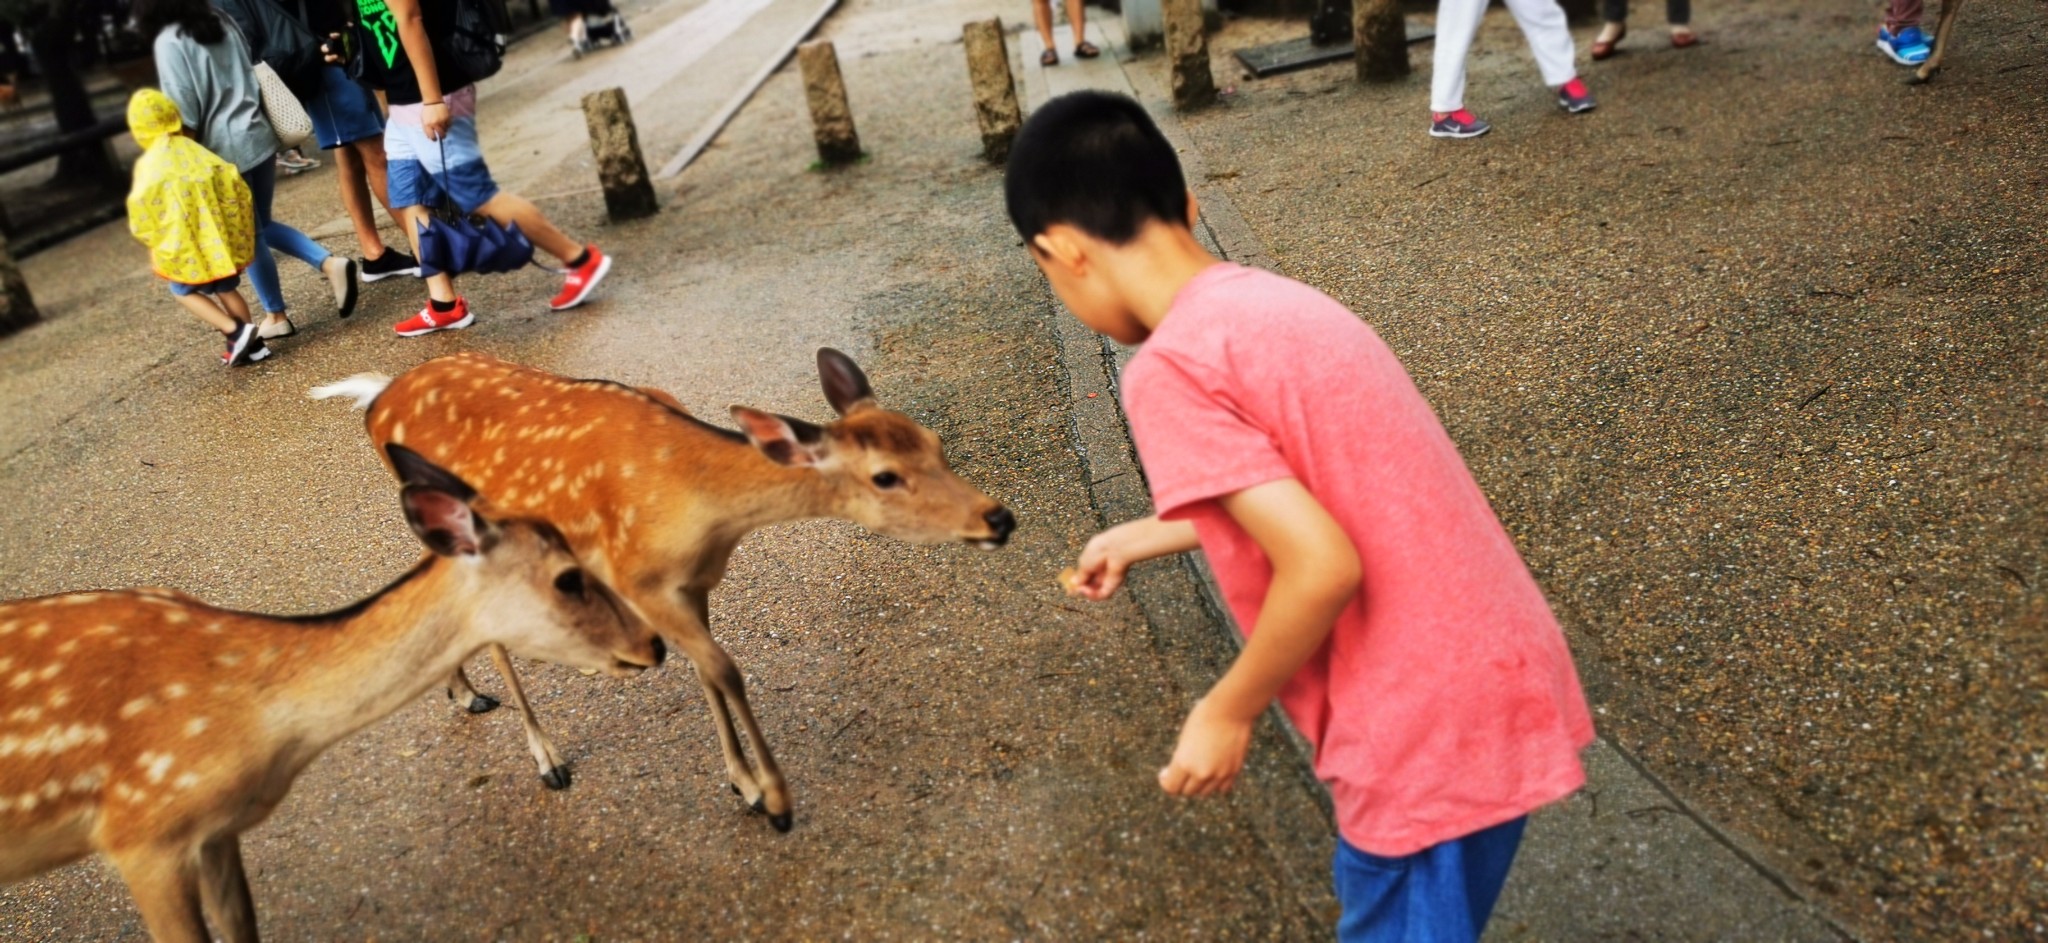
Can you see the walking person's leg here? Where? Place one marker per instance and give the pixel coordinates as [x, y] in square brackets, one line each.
[1543, 24]
[1678, 13]
[1077, 17]
[1614, 14]
[262, 181]
[271, 234]
[1900, 37]
[1457, 22]
[1041, 15]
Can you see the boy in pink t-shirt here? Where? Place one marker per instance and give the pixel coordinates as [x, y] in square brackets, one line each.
[1383, 604]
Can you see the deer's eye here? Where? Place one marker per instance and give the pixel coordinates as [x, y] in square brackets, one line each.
[886, 480]
[570, 583]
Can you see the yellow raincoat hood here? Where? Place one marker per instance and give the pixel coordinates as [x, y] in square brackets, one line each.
[190, 208]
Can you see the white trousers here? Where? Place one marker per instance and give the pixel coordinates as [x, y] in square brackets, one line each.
[1457, 21]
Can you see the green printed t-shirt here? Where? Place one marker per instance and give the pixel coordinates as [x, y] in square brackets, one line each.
[385, 66]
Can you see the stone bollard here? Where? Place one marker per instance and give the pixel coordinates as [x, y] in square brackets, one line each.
[17, 309]
[1187, 48]
[995, 93]
[628, 189]
[1379, 39]
[831, 119]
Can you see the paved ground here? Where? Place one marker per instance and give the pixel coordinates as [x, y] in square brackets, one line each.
[971, 752]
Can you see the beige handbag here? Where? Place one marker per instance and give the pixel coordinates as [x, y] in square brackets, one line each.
[287, 117]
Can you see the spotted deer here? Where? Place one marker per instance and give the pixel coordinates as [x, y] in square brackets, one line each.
[154, 729]
[657, 499]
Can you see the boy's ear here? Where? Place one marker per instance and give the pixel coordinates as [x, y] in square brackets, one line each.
[1058, 244]
[1194, 211]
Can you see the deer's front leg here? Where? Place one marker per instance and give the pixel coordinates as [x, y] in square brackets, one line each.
[553, 772]
[165, 883]
[224, 889]
[684, 622]
[461, 693]
[1942, 28]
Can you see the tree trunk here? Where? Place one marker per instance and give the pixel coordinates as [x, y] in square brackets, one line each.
[1380, 40]
[55, 41]
[17, 309]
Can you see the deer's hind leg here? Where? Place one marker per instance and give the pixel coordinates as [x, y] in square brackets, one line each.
[1943, 27]
[460, 691]
[224, 889]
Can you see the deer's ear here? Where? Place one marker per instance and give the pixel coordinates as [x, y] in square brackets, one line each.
[784, 440]
[846, 388]
[437, 505]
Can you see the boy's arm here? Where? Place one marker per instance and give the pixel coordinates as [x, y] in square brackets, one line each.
[1315, 575]
[1100, 571]
[419, 50]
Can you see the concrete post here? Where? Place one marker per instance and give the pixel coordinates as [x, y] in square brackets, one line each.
[17, 309]
[831, 119]
[1379, 39]
[1187, 48]
[615, 143]
[995, 92]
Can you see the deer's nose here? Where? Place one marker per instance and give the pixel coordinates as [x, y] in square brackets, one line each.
[1000, 522]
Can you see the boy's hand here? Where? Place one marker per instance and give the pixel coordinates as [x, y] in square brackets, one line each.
[1108, 555]
[330, 49]
[1210, 753]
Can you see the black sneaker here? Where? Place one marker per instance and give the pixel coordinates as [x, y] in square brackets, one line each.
[392, 262]
[244, 347]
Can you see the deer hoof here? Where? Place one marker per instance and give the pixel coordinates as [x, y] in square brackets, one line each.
[482, 704]
[782, 822]
[557, 778]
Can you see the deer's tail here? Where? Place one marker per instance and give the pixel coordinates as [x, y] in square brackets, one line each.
[364, 388]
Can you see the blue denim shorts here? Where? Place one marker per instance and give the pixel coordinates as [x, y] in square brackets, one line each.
[343, 112]
[221, 287]
[1441, 894]
[422, 169]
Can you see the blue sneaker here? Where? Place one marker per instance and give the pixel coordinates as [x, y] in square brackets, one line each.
[1908, 48]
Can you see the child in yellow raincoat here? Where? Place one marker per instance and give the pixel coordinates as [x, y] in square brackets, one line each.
[195, 214]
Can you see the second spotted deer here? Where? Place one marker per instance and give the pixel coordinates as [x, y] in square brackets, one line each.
[657, 499]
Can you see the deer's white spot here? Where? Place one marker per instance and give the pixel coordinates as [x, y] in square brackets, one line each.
[75, 599]
[6, 663]
[39, 630]
[176, 690]
[137, 706]
[418, 406]
[556, 484]
[49, 671]
[8, 627]
[214, 628]
[129, 794]
[53, 789]
[195, 726]
[627, 470]
[90, 779]
[69, 646]
[434, 392]
[398, 433]
[27, 802]
[155, 765]
[21, 679]
[228, 659]
[25, 715]
[59, 697]
[185, 781]
[104, 629]
[53, 740]
[175, 617]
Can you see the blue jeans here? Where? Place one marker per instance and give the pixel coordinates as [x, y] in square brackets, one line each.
[1441, 894]
[271, 234]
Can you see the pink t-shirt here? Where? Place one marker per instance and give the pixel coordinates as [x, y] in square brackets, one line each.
[1445, 700]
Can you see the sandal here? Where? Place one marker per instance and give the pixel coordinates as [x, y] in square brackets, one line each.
[1086, 50]
[1682, 38]
[1603, 48]
[1049, 57]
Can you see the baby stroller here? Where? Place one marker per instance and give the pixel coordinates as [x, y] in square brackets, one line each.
[592, 22]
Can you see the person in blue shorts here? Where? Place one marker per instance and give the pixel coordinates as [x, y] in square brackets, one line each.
[431, 152]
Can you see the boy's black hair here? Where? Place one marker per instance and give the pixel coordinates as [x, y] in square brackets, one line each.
[1095, 161]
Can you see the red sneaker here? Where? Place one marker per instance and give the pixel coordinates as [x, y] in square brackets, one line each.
[429, 320]
[582, 280]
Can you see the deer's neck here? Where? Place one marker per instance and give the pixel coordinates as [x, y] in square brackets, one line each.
[769, 493]
[373, 660]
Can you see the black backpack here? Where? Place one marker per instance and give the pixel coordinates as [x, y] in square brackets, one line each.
[478, 41]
